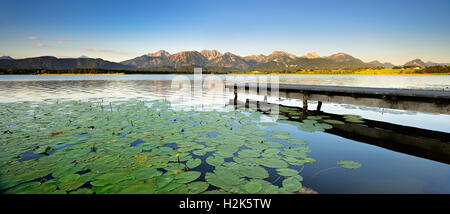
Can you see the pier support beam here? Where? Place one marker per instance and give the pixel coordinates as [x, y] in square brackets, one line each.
[319, 105]
[235, 95]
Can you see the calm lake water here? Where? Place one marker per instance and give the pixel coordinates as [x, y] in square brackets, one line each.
[384, 169]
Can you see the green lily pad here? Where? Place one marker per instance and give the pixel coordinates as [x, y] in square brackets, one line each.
[186, 177]
[192, 163]
[69, 178]
[223, 178]
[281, 137]
[292, 184]
[334, 122]
[349, 164]
[249, 153]
[253, 172]
[297, 141]
[214, 161]
[252, 187]
[145, 173]
[277, 132]
[145, 188]
[197, 187]
[273, 163]
[287, 172]
[199, 152]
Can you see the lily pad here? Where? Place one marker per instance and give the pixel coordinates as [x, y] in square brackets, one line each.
[252, 187]
[197, 187]
[349, 164]
[186, 177]
[192, 163]
[253, 172]
[287, 172]
[292, 184]
[146, 188]
[273, 163]
[214, 161]
[69, 178]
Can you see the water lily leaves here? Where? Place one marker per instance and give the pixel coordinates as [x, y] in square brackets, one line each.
[146, 188]
[253, 172]
[314, 117]
[186, 177]
[192, 163]
[223, 178]
[292, 184]
[199, 152]
[270, 153]
[69, 178]
[334, 122]
[214, 161]
[249, 153]
[197, 187]
[273, 163]
[100, 153]
[323, 125]
[162, 181]
[353, 118]
[252, 187]
[169, 187]
[349, 164]
[286, 172]
[145, 173]
[281, 137]
[163, 151]
[277, 132]
[267, 124]
[296, 141]
[70, 185]
[82, 191]
[23, 188]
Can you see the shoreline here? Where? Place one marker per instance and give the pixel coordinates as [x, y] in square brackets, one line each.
[396, 74]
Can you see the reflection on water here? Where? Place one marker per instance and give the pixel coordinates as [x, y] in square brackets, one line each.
[383, 171]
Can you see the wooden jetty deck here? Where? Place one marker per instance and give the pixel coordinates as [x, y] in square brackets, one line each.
[432, 101]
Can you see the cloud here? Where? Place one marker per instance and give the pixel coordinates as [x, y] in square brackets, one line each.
[61, 41]
[34, 38]
[104, 51]
[40, 45]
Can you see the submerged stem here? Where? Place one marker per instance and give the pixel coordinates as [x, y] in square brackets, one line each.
[323, 170]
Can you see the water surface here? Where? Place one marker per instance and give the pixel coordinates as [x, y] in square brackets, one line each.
[383, 170]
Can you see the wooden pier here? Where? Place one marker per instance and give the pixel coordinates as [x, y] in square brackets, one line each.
[432, 101]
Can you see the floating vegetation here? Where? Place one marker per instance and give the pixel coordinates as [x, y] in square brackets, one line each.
[349, 164]
[353, 118]
[132, 147]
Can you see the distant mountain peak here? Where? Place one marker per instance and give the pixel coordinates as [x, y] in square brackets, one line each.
[312, 55]
[83, 56]
[281, 53]
[339, 55]
[380, 64]
[210, 54]
[6, 57]
[160, 53]
[416, 62]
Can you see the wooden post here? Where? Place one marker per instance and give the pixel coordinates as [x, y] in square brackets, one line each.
[235, 95]
[305, 108]
[305, 103]
[319, 105]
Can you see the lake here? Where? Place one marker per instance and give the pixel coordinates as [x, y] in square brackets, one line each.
[145, 134]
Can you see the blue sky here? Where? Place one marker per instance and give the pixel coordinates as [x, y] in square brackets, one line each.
[395, 31]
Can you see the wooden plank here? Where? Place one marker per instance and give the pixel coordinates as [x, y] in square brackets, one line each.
[434, 94]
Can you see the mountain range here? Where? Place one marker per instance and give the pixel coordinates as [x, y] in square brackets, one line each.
[208, 59]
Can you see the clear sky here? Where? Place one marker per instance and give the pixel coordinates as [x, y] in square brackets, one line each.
[395, 31]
